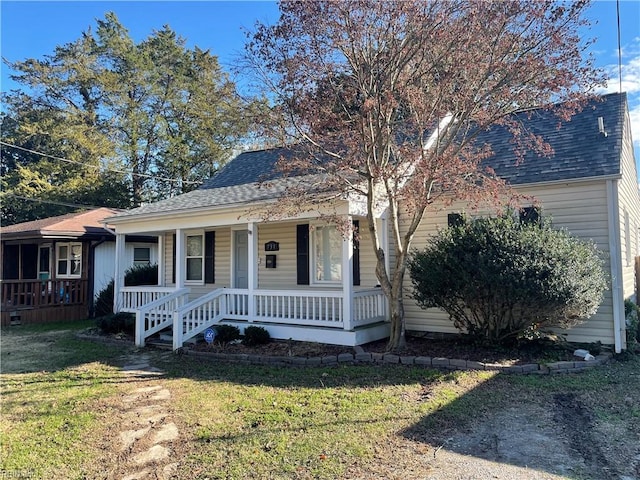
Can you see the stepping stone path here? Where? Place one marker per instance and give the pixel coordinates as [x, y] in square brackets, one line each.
[147, 431]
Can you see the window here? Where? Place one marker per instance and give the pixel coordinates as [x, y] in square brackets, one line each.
[195, 258]
[69, 259]
[327, 254]
[455, 220]
[44, 263]
[141, 256]
[530, 216]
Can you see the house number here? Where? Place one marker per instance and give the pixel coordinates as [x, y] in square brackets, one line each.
[271, 246]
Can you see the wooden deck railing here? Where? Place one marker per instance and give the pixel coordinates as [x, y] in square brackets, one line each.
[19, 294]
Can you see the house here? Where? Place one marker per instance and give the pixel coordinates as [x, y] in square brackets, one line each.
[219, 261]
[53, 268]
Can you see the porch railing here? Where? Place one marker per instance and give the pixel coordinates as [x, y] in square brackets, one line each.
[369, 306]
[158, 314]
[300, 308]
[133, 298]
[296, 308]
[17, 294]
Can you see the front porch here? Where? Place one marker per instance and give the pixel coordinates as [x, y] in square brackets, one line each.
[300, 279]
[316, 316]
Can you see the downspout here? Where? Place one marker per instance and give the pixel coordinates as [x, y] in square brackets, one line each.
[615, 259]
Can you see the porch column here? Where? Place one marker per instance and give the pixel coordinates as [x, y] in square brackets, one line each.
[347, 277]
[180, 259]
[252, 260]
[118, 278]
[161, 256]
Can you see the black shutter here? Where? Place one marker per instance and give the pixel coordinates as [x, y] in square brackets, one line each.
[455, 220]
[356, 253]
[174, 259]
[210, 257]
[302, 253]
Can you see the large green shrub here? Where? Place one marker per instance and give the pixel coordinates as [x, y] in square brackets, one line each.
[254, 335]
[498, 278]
[136, 275]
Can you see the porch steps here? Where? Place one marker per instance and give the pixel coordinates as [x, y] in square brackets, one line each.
[164, 340]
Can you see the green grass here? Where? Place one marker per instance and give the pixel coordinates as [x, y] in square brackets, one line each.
[242, 421]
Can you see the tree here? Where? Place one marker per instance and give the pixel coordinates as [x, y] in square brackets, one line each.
[498, 278]
[166, 114]
[388, 97]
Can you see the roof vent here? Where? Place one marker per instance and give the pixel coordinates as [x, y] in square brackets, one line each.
[601, 129]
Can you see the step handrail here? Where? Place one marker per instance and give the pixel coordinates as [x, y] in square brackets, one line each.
[185, 329]
[141, 313]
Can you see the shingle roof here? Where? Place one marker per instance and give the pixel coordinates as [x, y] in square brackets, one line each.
[579, 151]
[73, 224]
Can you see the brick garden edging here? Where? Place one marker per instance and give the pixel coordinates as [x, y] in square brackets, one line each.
[362, 357]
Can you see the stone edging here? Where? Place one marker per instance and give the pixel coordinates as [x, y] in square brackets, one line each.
[390, 359]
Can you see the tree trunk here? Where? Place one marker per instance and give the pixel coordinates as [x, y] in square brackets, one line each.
[397, 340]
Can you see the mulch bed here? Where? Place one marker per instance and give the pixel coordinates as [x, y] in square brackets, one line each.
[453, 346]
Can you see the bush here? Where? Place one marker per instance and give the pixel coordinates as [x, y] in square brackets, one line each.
[632, 318]
[104, 301]
[136, 275]
[255, 336]
[226, 333]
[141, 275]
[117, 323]
[498, 278]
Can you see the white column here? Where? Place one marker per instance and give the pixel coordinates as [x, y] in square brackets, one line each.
[347, 277]
[180, 259]
[252, 260]
[118, 279]
[161, 260]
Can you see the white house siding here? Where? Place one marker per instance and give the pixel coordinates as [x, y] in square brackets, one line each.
[284, 276]
[104, 261]
[222, 262]
[629, 201]
[579, 207]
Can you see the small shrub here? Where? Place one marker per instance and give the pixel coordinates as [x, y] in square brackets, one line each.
[500, 279]
[104, 301]
[632, 319]
[141, 275]
[117, 323]
[254, 335]
[227, 333]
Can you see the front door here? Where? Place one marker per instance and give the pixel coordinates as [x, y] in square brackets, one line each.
[241, 259]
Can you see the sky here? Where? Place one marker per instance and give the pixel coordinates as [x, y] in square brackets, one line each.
[32, 29]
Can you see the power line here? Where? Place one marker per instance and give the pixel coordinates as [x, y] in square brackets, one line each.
[53, 202]
[145, 175]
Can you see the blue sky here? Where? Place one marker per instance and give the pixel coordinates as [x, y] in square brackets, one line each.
[31, 29]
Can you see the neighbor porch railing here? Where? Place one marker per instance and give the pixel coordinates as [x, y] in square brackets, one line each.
[17, 294]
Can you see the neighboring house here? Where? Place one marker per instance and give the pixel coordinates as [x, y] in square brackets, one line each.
[53, 268]
[219, 261]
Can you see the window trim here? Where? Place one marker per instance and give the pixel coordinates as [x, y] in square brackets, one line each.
[193, 233]
[313, 272]
[68, 259]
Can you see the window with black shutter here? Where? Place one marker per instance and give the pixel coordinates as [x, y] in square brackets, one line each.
[210, 257]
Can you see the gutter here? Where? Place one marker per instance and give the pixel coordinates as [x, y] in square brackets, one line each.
[615, 259]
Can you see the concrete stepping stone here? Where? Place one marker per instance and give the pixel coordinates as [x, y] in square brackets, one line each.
[168, 471]
[163, 394]
[166, 433]
[128, 437]
[149, 414]
[157, 453]
[137, 475]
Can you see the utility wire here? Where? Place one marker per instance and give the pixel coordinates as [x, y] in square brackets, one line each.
[145, 175]
[53, 202]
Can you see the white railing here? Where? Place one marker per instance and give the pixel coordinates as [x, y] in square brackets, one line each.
[198, 315]
[133, 298]
[314, 308]
[158, 314]
[237, 304]
[369, 306]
